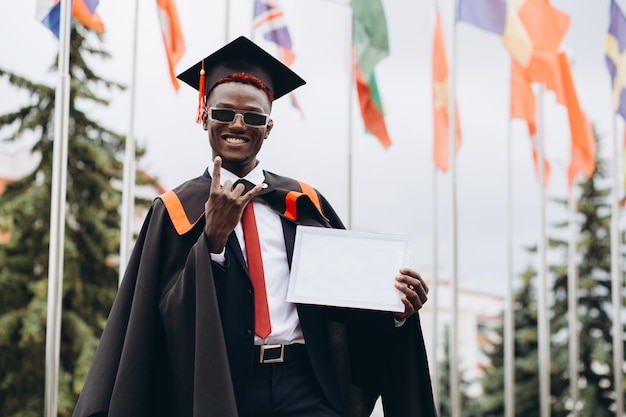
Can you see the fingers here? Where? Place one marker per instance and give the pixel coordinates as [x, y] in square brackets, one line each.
[253, 192]
[413, 274]
[414, 288]
[217, 176]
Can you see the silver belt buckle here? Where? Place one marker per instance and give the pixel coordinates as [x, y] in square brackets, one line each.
[280, 359]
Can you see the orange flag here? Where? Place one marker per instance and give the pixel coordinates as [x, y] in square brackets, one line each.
[172, 35]
[524, 107]
[546, 163]
[546, 27]
[583, 148]
[84, 15]
[523, 102]
[441, 145]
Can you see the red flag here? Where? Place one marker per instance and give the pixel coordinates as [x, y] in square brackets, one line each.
[441, 145]
[583, 146]
[372, 116]
[172, 35]
[523, 102]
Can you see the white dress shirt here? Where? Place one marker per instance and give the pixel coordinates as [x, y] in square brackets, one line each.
[283, 315]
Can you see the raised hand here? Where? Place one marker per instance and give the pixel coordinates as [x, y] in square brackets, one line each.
[224, 207]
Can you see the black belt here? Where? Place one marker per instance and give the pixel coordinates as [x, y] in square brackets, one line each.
[278, 353]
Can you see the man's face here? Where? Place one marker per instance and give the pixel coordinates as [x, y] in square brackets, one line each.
[236, 142]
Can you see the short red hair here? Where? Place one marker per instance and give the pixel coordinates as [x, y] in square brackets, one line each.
[244, 78]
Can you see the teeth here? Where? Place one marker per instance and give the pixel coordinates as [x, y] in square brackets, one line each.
[235, 140]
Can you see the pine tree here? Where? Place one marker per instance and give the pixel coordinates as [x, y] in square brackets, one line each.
[91, 237]
[526, 361]
[445, 405]
[595, 381]
[596, 388]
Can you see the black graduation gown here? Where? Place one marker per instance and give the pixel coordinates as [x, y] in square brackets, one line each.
[164, 349]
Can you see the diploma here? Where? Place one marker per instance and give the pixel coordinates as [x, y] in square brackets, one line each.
[344, 268]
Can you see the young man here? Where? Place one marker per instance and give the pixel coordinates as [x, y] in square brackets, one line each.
[201, 325]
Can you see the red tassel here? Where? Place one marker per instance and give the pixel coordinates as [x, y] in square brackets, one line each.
[201, 98]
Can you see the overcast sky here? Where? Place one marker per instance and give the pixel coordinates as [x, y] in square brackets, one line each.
[392, 189]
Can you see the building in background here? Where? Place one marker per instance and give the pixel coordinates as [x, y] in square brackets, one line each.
[478, 312]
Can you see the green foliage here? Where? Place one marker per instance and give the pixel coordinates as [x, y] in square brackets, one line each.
[445, 396]
[491, 403]
[595, 369]
[596, 392]
[91, 238]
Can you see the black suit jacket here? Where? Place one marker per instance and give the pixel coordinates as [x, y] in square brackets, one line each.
[168, 346]
[236, 305]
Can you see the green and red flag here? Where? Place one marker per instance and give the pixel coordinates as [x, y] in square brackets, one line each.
[371, 45]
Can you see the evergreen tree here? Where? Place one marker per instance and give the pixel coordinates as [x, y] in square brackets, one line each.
[445, 404]
[596, 388]
[491, 403]
[91, 238]
[595, 382]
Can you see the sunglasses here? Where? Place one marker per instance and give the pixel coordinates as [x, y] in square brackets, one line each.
[250, 118]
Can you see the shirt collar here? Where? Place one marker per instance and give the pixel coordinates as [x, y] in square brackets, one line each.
[256, 176]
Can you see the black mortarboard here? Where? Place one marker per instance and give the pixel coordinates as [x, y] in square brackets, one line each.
[243, 55]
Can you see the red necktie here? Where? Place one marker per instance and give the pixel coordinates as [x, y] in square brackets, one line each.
[262, 326]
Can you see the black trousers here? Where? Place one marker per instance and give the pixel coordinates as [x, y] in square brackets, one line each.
[288, 389]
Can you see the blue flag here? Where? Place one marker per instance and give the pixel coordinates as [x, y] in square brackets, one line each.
[615, 58]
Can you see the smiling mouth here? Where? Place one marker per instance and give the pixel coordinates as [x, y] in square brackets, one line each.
[235, 141]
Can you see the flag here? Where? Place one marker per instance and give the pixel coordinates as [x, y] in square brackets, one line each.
[48, 12]
[546, 26]
[531, 30]
[523, 101]
[623, 202]
[441, 145]
[370, 39]
[583, 148]
[500, 17]
[616, 58]
[172, 36]
[489, 15]
[524, 107]
[546, 163]
[269, 20]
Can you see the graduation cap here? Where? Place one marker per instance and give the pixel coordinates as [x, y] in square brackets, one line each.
[241, 55]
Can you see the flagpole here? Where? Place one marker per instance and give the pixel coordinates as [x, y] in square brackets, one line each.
[455, 396]
[543, 328]
[351, 83]
[616, 281]
[572, 290]
[57, 214]
[128, 190]
[227, 21]
[435, 290]
[572, 301]
[509, 320]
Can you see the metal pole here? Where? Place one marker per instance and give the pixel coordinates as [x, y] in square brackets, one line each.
[57, 214]
[617, 284]
[543, 324]
[509, 320]
[227, 22]
[435, 291]
[455, 395]
[572, 301]
[351, 82]
[128, 189]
